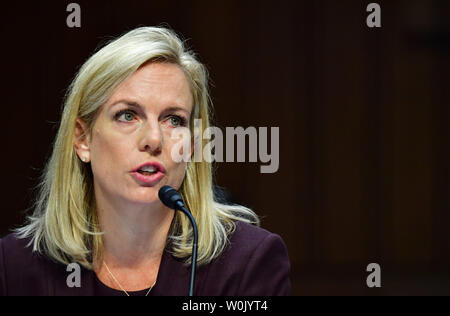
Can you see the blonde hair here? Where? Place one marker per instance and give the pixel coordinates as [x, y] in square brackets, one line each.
[64, 224]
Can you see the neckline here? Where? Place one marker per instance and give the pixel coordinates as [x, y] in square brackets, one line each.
[117, 292]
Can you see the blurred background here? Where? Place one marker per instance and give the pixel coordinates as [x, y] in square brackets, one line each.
[363, 116]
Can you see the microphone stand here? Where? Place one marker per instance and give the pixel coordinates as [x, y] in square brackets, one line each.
[173, 200]
[194, 246]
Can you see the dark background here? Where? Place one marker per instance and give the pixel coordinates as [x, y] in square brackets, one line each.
[363, 116]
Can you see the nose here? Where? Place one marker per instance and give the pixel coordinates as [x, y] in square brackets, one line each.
[150, 138]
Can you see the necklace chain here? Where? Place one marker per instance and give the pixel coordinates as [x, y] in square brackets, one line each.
[118, 283]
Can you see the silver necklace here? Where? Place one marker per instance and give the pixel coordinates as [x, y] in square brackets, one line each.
[118, 283]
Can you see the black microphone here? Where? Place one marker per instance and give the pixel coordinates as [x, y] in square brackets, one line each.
[172, 199]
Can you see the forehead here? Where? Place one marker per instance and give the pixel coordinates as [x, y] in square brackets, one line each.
[156, 83]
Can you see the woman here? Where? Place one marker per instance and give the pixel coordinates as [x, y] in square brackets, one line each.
[98, 202]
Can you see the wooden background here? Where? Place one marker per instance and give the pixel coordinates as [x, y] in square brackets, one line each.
[363, 116]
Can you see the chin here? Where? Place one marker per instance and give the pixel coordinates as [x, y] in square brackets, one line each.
[146, 196]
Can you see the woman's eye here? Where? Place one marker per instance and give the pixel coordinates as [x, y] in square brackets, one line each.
[127, 116]
[177, 121]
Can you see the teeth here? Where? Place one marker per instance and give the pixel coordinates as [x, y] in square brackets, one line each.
[148, 169]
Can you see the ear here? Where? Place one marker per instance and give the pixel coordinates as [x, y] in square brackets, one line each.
[81, 140]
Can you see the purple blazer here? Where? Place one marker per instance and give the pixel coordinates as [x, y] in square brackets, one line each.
[255, 263]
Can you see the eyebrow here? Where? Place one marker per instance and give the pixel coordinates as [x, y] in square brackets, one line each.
[137, 105]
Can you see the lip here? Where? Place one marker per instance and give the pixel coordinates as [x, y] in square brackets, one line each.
[155, 164]
[152, 179]
[148, 180]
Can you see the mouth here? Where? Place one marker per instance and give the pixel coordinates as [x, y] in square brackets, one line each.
[150, 168]
[149, 173]
[148, 179]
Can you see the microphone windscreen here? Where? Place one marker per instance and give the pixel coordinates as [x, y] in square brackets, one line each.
[169, 196]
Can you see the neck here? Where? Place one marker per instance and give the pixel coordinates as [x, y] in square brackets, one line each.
[133, 235]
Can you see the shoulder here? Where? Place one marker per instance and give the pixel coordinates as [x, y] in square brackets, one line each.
[14, 252]
[17, 252]
[249, 240]
[22, 271]
[255, 262]
[15, 246]
[251, 234]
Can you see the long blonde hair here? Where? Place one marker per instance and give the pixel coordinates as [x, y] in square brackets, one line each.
[64, 224]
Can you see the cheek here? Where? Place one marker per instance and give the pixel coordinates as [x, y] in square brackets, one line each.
[108, 155]
[173, 149]
[177, 175]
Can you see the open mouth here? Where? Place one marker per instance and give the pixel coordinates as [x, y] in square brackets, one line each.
[148, 170]
[147, 173]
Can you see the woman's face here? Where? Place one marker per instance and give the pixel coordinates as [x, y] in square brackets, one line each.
[134, 128]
